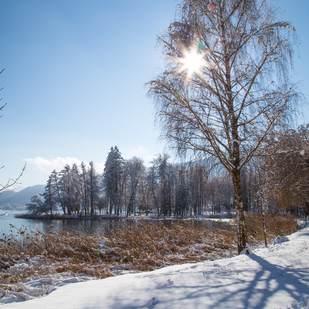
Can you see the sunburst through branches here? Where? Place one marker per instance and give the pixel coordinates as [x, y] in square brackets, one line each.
[193, 60]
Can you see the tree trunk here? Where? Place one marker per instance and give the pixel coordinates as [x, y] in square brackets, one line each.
[240, 213]
[264, 223]
[111, 202]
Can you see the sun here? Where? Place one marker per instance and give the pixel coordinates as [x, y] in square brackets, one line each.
[192, 62]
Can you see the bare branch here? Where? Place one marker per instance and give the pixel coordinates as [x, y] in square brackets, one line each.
[11, 182]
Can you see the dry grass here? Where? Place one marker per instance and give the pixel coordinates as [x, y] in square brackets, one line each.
[275, 225]
[144, 247]
[150, 245]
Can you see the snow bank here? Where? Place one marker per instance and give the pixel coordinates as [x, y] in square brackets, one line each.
[273, 277]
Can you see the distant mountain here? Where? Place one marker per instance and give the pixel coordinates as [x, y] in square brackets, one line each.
[20, 198]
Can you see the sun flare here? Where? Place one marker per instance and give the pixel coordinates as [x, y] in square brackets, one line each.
[192, 62]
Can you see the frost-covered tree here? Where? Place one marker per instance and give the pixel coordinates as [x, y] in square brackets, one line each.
[182, 192]
[37, 206]
[197, 179]
[51, 192]
[84, 188]
[219, 192]
[64, 185]
[226, 84]
[93, 187]
[153, 187]
[112, 174]
[76, 189]
[161, 176]
[101, 203]
[134, 169]
[145, 193]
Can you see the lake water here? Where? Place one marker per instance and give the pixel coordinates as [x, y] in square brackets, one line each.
[9, 223]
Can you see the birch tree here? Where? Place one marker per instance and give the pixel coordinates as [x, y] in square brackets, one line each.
[226, 83]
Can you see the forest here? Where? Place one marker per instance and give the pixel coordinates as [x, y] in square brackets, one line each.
[275, 180]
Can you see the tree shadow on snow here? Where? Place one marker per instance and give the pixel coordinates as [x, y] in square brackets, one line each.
[267, 282]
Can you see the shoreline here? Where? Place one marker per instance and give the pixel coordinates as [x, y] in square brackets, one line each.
[115, 217]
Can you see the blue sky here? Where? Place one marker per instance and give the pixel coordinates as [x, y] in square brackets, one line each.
[74, 80]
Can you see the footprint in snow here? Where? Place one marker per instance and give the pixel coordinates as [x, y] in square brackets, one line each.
[151, 303]
[168, 283]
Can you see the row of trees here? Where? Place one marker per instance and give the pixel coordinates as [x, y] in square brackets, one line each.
[127, 186]
[277, 178]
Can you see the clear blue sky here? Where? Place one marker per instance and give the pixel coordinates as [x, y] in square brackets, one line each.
[74, 79]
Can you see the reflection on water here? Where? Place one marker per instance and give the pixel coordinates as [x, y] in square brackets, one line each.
[9, 223]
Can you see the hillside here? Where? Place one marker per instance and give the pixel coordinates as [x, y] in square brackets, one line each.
[11, 198]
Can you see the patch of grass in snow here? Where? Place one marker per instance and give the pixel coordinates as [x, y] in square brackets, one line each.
[24, 253]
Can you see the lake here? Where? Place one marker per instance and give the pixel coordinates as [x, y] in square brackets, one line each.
[9, 223]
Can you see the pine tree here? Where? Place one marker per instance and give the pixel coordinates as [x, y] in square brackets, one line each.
[84, 188]
[93, 188]
[182, 192]
[51, 192]
[112, 174]
[76, 189]
[64, 186]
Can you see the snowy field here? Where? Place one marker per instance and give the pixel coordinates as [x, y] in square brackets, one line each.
[273, 277]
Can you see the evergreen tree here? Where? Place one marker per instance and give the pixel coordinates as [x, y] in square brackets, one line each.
[182, 192]
[51, 192]
[84, 188]
[76, 189]
[65, 189]
[112, 174]
[93, 188]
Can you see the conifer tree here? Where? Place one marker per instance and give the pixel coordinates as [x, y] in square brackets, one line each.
[112, 174]
[51, 192]
[93, 187]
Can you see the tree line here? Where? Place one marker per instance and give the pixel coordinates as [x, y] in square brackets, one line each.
[277, 178]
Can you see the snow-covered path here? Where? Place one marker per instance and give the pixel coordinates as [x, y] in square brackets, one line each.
[274, 277]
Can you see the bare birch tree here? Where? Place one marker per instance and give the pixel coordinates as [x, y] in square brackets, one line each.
[226, 83]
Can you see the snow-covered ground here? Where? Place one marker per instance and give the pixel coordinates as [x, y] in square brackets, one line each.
[273, 277]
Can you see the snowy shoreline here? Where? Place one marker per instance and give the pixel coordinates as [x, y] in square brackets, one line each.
[115, 217]
[273, 277]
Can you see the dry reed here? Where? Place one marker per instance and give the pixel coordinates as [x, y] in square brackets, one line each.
[276, 225]
[24, 253]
